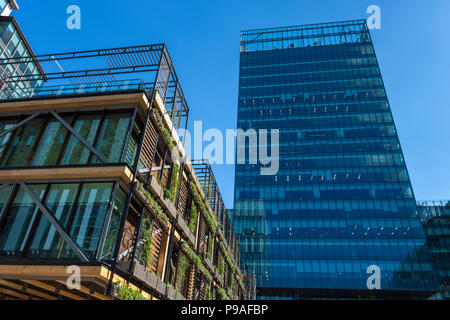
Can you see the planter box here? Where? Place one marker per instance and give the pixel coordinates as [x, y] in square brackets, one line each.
[187, 232]
[180, 297]
[160, 286]
[141, 273]
[171, 293]
[172, 212]
[154, 185]
[151, 279]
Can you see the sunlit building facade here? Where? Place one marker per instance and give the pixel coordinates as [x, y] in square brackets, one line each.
[342, 199]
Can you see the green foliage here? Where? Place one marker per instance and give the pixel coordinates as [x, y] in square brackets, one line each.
[240, 282]
[210, 251]
[167, 137]
[168, 194]
[146, 248]
[174, 185]
[222, 267]
[223, 294]
[201, 204]
[209, 292]
[183, 266]
[233, 284]
[197, 261]
[194, 216]
[153, 203]
[228, 257]
[125, 292]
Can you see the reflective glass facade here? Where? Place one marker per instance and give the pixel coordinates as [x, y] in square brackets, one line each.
[435, 217]
[80, 208]
[342, 199]
[14, 45]
[44, 141]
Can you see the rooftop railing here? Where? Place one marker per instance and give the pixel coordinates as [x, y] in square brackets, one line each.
[148, 68]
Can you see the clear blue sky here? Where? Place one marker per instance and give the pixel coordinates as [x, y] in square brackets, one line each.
[413, 49]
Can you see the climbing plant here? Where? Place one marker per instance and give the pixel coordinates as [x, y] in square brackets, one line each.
[194, 216]
[146, 248]
[174, 185]
[167, 137]
[125, 292]
[201, 204]
[197, 261]
[153, 203]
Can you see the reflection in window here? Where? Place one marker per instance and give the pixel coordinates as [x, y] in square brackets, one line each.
[5, 125]
[88, 218]
[50, 144]
[112, 136]
[4, 194]
[113, 228]
[18, 222]
[59, 202]
[22, 144]
[76, 152]
[6, 31]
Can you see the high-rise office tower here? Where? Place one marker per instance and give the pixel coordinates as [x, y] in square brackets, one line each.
[339, 217]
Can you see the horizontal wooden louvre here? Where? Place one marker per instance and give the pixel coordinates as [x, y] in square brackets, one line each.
[165, 178]
[157, 234]
[148, 145]
[183, 198]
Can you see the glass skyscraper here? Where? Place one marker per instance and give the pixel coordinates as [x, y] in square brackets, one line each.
[341, 207]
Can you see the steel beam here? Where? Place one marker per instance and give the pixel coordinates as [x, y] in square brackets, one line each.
[34, 115]
[55, 223]
[77, 135]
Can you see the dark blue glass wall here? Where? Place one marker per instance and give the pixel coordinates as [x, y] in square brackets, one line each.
[342, 199]
[435, 217]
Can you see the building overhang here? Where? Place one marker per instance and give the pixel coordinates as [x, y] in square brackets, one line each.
[76, 103]
[50, 281]
[64, 174]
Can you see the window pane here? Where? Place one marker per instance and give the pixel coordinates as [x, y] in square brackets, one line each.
[113, 228]
[4, 194]
[18, 223]
[14, 42]
[19, 151]
[6, 31]
[112, 137]
[89, 215]
[5, 125]
[50, 144]
[76, 152]
[60, 200]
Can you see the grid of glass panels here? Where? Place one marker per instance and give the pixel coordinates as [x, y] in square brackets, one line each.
[44, 141]
[342, 198]
[3, 5]
[80, 209]
[12, 45]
